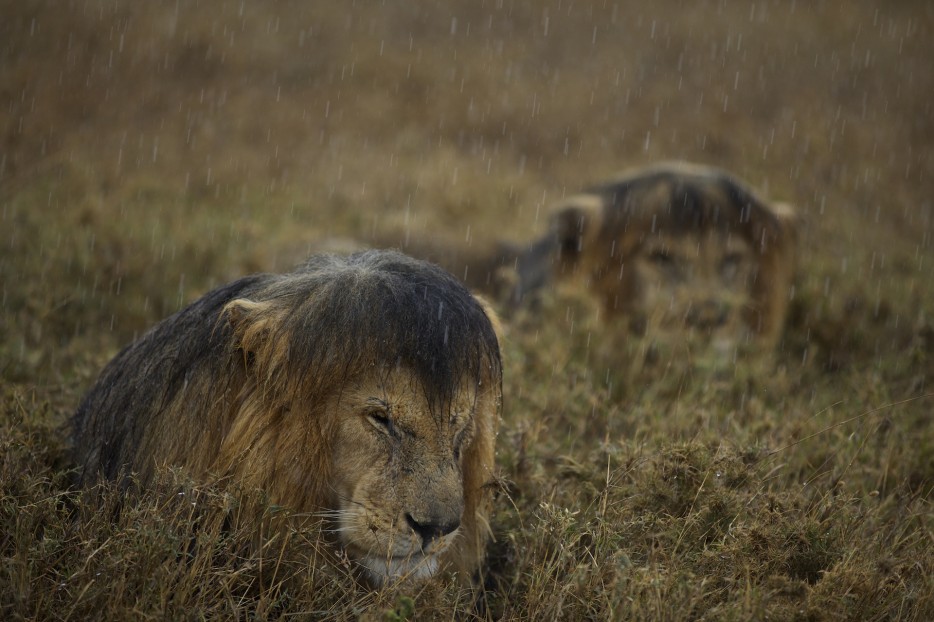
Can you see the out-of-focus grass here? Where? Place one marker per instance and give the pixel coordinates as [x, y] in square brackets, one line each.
[152, 151]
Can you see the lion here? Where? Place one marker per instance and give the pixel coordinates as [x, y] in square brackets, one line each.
[674, 250]
[364, 388]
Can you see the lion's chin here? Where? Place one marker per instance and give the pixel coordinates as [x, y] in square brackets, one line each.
[385, 570]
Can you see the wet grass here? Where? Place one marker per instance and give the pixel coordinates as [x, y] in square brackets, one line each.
[152, 152]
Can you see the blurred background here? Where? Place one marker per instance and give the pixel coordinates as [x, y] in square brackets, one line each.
[150, 151]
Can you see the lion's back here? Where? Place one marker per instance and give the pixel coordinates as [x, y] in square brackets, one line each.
[128, 405]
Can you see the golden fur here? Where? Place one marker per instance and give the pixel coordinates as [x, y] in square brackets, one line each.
[364, 388]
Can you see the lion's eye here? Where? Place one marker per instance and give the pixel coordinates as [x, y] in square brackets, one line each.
[379, 419]
[667, 263]
[661, 257]
[729, 266]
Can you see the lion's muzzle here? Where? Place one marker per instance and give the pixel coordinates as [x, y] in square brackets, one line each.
[433, 529]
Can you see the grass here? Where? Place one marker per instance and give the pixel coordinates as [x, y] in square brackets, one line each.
[151, 152]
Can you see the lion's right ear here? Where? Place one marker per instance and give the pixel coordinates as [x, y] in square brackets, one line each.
[492, 316]
[251, 324]
[575, 225]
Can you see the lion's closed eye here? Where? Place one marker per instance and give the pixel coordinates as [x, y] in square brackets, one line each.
[661, 257]
[378, 414]
[668, 264]
[730, 265]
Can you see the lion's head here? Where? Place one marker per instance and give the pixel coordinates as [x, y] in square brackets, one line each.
[364, 388]
[678, 250]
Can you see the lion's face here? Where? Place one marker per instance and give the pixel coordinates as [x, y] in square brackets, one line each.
[398, 480]
[684, 254]
[692, 286]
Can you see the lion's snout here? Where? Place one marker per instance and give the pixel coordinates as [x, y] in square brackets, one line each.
[435, 510]
[707, 314]
[432, 529]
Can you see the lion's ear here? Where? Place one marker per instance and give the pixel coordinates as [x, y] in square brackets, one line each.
[492, 316]
[251, 323]
[575, 224]
[787, 218]
[779, 233]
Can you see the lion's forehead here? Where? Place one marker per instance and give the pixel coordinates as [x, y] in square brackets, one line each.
[406, 401]
[705, 245]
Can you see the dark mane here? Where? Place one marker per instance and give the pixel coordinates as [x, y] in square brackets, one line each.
[331, 319]
[686, 201]
[380, 308]
[147, 374]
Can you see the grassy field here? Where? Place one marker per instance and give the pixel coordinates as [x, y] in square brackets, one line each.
[151, 151]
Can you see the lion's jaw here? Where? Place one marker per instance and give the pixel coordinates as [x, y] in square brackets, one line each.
[415, 566]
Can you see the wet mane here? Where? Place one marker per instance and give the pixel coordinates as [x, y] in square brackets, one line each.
[342, 316]
[685, 201]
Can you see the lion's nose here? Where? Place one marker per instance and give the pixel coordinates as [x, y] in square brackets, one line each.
[431, 530]
[707, 314]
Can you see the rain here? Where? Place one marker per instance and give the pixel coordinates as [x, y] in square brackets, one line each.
[702, 417]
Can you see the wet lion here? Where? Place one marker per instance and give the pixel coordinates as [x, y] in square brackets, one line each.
[366, 388]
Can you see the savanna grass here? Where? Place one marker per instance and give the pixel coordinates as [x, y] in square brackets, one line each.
[150, 152]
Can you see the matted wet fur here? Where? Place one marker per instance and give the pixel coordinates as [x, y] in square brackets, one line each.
[675, 249]
[366, 388]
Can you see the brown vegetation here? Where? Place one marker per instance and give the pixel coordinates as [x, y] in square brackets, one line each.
[152, 151]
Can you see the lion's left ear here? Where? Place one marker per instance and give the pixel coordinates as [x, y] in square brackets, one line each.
[575, 225]
[251, 323]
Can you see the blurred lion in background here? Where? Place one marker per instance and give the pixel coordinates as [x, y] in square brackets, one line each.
[676, 251]
[366, 389]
